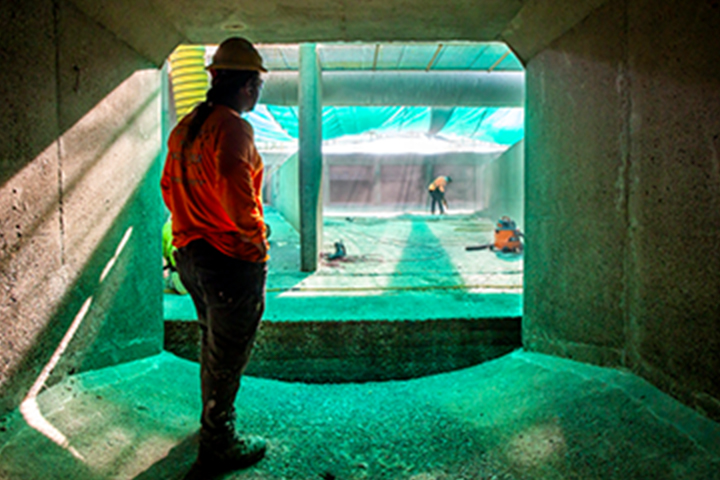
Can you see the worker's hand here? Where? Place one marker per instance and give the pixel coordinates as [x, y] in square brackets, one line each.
[262, 248]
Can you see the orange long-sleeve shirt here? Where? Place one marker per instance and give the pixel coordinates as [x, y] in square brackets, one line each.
[213, 190]
[439, 183]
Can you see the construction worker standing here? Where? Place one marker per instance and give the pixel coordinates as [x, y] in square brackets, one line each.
[211, 184]
[437, 193]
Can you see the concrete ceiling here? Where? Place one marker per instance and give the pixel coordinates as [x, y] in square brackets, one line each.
[155, 27]
[273, 21]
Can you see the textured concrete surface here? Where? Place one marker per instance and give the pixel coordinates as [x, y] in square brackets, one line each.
[79, 146]
[674, 206]
[30, 228]
[539, 23]
[528, 26]
[278, 21]
[523, 416]
[362, 351]
[623, 195]
[310, 157]
[138, 23]
[576, 210]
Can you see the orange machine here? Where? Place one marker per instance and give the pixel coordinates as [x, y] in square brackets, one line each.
[507, 236]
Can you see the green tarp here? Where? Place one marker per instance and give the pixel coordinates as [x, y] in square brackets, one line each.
[503, 126]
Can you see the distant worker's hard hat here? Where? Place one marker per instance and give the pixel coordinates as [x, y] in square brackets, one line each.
[236, 54]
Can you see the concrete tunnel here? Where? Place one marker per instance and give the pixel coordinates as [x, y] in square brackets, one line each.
[622, 177]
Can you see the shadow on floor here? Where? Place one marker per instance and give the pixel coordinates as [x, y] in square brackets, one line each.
[178, 464]
[521, 416]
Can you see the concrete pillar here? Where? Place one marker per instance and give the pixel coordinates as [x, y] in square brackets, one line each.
[310, 153]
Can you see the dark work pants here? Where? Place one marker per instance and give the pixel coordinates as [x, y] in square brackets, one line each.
[229, 296]
[437, 197]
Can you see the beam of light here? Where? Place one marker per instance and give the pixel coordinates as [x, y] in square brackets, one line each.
[29, 407]
[118, 250]
[61, 234]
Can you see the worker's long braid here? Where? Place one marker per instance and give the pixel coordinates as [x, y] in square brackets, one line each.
[225, 86]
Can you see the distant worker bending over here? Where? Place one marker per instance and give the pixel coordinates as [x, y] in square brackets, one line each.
[211, 183]
[437, 193]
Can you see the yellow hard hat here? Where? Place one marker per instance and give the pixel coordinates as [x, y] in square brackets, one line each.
[236, 54]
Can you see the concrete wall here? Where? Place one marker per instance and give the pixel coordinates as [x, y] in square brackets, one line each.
[285, 192]
[623, 195]
[80, 214]
[398, 182]
[503, 184]
[362, 350]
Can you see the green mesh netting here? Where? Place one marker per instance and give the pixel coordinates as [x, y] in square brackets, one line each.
[502, 126]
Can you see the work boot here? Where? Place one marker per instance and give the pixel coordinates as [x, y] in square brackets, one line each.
[230, 451]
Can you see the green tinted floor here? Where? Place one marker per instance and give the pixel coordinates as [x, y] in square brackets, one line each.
[412, 266]
[522, 416]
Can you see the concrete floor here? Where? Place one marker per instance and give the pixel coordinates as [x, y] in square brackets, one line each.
[522, 416]
[410, 266]
[408, 300]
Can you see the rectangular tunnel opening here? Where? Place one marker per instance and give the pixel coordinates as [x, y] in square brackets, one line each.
[395, 117]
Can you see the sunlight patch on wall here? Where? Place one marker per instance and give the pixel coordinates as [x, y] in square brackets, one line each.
[63, 203]
[119, 250]
[105, 156]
